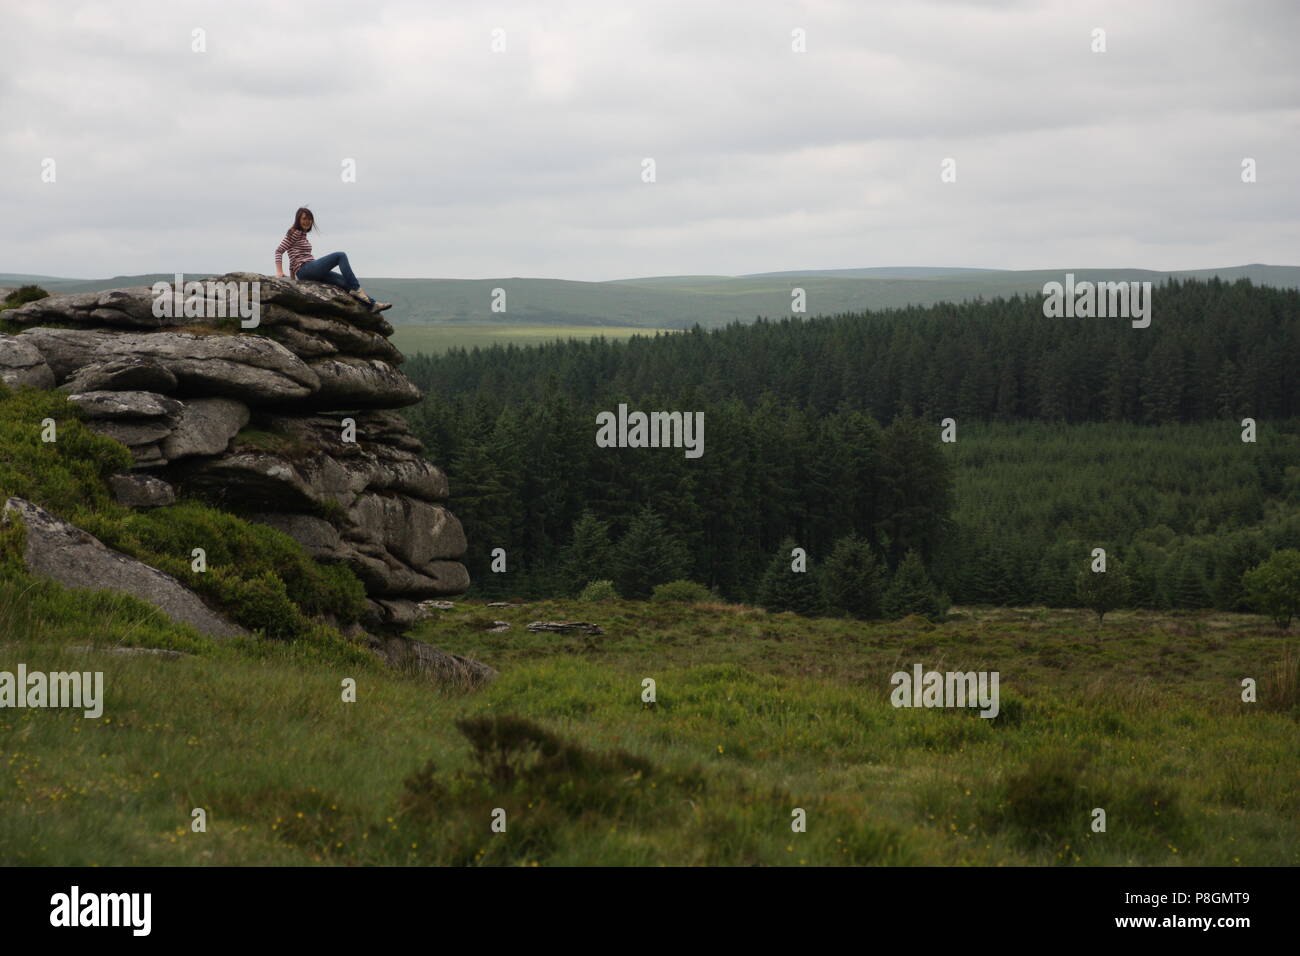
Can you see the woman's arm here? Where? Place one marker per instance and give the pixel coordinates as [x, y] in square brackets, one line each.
[279, 254]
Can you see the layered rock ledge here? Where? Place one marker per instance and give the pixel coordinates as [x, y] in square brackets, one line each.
[289, 423]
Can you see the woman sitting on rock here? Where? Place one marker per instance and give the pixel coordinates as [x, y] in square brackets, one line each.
[303, 266]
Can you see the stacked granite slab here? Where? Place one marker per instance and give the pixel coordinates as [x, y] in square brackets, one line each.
[288, 421]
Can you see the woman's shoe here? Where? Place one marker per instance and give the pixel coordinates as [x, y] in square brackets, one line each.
[380, 306]
[361, 297]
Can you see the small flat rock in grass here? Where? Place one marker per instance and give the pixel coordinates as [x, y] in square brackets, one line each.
[503, 604]
[499, 626]
[564, 627]
[428, 606]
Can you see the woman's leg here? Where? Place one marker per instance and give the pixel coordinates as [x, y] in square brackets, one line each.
[320, 270]
[345, 267]
[340, 259]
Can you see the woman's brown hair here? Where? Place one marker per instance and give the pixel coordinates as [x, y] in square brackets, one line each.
[297, 218]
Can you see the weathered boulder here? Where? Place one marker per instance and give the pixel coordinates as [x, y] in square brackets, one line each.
[135, 433]
[415, 531]
[129, 405]
[65, 553]
[21, 363]
[124, 374]
[347, 382]
[386, 576]
[141, 491]
[247, 367]
[205, 427]
[131, 307]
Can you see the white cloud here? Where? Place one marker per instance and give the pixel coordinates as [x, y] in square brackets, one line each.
[473, 163]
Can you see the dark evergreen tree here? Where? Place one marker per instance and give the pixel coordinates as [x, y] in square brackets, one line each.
[785, 589]
[916, 483]
[912, 592]
[647, 555]
[852, 579]
[1187, 588]
[590, 553]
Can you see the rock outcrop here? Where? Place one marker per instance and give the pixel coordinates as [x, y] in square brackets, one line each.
[289, 422]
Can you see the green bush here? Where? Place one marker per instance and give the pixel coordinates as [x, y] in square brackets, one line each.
[1102, 591]
[1273, 586]
[681, 592]
[598, 591]
[22, 295]
[240, 554]
[1046, 802]
[65, 474]
[259, 603]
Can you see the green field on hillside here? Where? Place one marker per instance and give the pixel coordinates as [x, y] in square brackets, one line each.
[436, 339]
[757, 715]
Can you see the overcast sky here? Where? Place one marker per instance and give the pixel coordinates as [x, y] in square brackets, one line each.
[472, 163]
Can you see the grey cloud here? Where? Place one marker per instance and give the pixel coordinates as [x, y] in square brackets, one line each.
[528, 162]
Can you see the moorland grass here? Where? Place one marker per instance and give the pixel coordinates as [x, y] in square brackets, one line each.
[756, 715]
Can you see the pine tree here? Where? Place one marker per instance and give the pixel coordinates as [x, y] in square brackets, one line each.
[589, 554]
[483, 504]
[1187, 590]
[1141, 580]
[785, 589]
[1052, 584]
[916, 482]
[851, 579]
[648, 555]
[912, 592]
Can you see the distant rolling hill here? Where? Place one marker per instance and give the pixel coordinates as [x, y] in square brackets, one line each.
[676, 302]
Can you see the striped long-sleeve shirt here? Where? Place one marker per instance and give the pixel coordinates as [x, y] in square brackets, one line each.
[295, 243]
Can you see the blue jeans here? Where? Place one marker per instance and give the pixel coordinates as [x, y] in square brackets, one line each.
[321, 270]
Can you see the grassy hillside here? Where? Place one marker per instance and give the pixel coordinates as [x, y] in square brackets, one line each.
[756, 715]
[677, 302]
